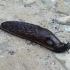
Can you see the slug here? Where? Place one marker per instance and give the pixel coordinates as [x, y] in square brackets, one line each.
[36, 34]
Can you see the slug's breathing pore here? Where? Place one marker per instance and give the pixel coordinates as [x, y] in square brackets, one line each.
[36, 34]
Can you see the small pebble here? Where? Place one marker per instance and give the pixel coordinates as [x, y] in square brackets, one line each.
[67, 28]
[11, 52]
[63, 20]
[28, 2]
[62, 7]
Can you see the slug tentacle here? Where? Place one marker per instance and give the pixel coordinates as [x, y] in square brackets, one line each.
[36, 34]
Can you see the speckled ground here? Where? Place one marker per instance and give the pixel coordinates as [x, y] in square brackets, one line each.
[21, 54]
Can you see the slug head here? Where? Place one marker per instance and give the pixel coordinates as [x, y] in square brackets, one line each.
[65, 47]
[68, 45]
[60, 47]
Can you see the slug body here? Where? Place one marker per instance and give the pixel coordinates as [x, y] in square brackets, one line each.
[36, 34]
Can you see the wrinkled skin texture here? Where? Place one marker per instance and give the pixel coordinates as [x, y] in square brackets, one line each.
[36, 34]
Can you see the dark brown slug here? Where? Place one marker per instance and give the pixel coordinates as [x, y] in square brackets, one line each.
[36, 34]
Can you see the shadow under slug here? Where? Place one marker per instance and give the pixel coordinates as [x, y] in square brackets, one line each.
[36, 34]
